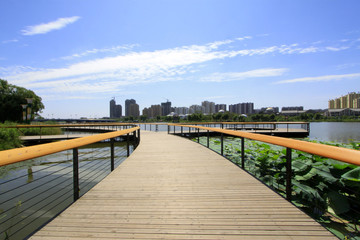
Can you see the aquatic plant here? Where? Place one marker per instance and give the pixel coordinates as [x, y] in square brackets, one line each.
[326, 189]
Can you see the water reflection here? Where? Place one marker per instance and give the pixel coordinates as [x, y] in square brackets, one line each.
[342, 132]
[30, 175]
[34, 191]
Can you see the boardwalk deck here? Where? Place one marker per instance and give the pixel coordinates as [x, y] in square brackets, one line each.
[172, 188]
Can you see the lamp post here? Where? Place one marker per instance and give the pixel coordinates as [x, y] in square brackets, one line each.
[29, 103]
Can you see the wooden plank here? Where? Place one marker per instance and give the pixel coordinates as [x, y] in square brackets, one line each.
[173, 188]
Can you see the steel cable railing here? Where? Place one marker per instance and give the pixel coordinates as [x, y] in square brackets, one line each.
[42, 188]
[303, 172]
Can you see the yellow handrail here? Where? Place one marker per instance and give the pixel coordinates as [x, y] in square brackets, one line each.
[245, 123]
[68, 125]
[346, 155]
[26, 153]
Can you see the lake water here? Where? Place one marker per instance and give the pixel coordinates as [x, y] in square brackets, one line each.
[34, 191]
[342, 132]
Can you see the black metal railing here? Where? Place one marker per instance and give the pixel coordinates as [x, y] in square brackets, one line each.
[34, 191]
[325, 187]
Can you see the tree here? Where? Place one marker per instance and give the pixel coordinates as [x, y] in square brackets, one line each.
[11, 99]
[143, 118]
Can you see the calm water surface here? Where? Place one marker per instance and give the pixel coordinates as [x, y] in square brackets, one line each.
[342, 132]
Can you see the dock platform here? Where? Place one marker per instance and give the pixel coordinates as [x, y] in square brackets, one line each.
[173, 188]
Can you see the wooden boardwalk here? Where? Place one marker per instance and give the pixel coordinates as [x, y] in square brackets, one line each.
[172, 188]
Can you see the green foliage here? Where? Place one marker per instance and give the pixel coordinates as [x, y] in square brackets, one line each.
[321, 186]
[9, 138]
[35, 131]
[11, 98]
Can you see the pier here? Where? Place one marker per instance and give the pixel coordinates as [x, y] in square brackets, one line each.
[173, 188]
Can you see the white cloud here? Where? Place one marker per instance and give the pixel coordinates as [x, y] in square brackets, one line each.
[244, 38]
[101, 50]
[321, 78]
[237, 76]
[50, 26]
[9, 41]
[109, 74]
[336, 49]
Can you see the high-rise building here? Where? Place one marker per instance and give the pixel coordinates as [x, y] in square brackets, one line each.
[219, 107]
[209, 107]
[242, 108]
[165, 108]
[128, 102]
[181, 110]
[134, 110]
[155, 110]
[115, 110]
[357, 103]
[348, 101]
[196, 109]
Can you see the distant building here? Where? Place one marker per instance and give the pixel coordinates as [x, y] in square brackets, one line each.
[300, 108]
[343, 112]
[181, 110]
[196, 109]
[165, 108]
[219, 107]
[153, 111]
[134, 110]
[209, 107]
[146, 112]
[357, 103]
[351, 100]
[128, 102]
[292, 111]
[115, 110]
[269, 110]
[242, 108]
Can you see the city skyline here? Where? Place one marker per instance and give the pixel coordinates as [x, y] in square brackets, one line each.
[78, 55]
[206, 107]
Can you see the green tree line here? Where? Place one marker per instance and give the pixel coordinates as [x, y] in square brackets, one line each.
[232, 117]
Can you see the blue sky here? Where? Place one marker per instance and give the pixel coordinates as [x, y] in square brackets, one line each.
[79, 54]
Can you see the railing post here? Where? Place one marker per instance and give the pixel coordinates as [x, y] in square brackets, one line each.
[134, 139]
[222, 144]
[127, 145]
[242, 153]
[168, 129]
[198, 135]
[174, 129]
[138, 140]
[76, 174]
[208, 143]
[181, 130]
[112, 164]
[288, 174]
[150, 127]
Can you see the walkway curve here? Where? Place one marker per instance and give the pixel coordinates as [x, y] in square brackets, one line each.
[173, 188]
